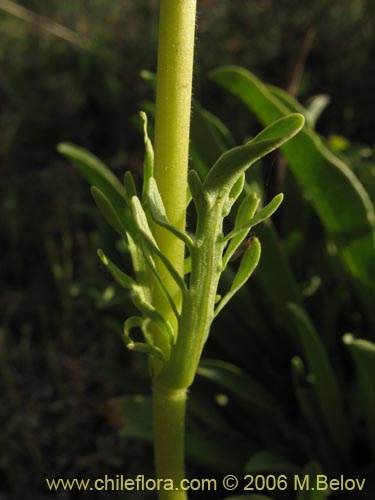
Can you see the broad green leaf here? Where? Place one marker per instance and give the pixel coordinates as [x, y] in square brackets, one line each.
[136, 413]
[120, 277]
[312, 113]
[338, 197]
[249, 262]
[263, 214]
[233, 163]
[98, 175]
[238, 383]
[245, 212]
[264, 461]
[108, 211]
[325, 383]
[208, 135]
[363, 352]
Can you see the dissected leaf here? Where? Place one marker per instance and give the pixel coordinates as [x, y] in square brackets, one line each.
[119, 276]
[249, 262]
[151, 313]
[230, 166]
[159, 215]
[245, 212]
[149, 240]
[263, 214]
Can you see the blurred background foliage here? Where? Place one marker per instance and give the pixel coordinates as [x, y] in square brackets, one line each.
[70, 71]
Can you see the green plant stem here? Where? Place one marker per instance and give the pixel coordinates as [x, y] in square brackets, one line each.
[172, 127]
[171, 143]
[169, 437]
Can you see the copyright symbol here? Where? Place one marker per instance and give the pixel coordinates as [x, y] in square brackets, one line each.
[230, 482]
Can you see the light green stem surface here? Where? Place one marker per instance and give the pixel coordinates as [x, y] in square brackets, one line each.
[169, 438]
[172, 127]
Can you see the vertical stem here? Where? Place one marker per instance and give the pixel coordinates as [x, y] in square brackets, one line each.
[169, 438]
[172, 127]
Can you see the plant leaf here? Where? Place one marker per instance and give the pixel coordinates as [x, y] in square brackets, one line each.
[325, 385]
[148, 163]
[338, 197]
[159, 215]
[363, 352]
[108, 211]
[264, 461]
[120, 277]
[197, 192]
[245, 212]
[129, 185]
[263, 214]
[208, 135]
[136, 412]
[150, 243]
[312, 470]
[152, 314]
[230, 166]
[238, 383]
[98, 175]
[249, 262]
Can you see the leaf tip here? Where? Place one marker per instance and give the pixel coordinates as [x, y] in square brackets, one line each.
[102, 256]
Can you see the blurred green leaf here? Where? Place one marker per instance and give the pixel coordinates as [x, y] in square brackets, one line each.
[363, 352]
[98, 175]
[120, 277]
[335, 192]
[264, 461]
[232, 163]
[325, 383]
[108, 211]
[312, 470]
[239, 384]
